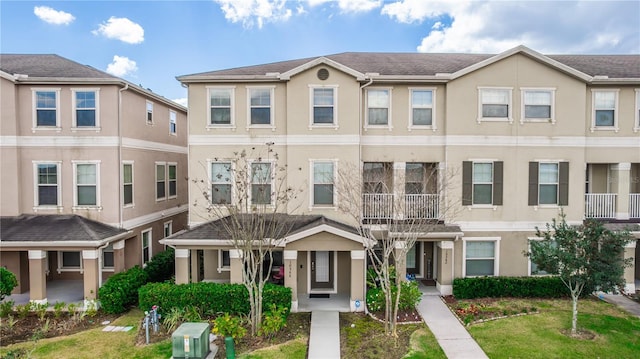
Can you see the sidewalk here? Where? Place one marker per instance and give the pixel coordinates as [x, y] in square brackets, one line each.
[324, 336]
[453, 338]
[623, 302]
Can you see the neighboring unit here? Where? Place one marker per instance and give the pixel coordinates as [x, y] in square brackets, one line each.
[93, 173]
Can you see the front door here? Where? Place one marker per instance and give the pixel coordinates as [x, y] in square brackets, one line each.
[321, 270]
[414, 257]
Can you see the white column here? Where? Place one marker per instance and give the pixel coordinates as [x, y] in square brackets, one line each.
[620, 176]
[291, 276]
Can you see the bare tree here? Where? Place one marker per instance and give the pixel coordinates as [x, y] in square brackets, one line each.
[249, 195]
[393, 210]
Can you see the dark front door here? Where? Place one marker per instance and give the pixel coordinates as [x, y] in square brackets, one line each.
[414, 259]
[321, 270]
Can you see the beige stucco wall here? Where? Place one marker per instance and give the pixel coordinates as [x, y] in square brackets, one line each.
[12, 262]
[343, 275]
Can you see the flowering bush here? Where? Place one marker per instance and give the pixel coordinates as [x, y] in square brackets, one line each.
[229, 326]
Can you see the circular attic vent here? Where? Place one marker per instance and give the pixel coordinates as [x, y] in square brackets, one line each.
[323, 74]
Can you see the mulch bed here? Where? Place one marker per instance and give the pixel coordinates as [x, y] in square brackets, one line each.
[408, 316]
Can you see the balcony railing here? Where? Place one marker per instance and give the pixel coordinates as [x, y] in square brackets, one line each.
[600, 205]
[421, 206]
[377, 206]
[634, 205]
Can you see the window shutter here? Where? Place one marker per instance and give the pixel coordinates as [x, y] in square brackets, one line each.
[497, 183]
[563, 184]
[467, 182]
[533, 183]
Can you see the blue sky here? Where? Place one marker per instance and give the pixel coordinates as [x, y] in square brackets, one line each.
[151, 42]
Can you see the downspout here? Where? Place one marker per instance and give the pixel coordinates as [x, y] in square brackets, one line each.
[120, 171]
[100, 265]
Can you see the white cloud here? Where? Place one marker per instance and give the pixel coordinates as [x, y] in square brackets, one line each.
[52, 16]
[548, 27]
[254, 12]
[182, 101]
[121, 28]
[358, 5]
[121, 66]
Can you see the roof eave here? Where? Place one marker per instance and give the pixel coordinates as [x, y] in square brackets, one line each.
[323, 61]
[63, 244]
[227, 78]
[616, 81]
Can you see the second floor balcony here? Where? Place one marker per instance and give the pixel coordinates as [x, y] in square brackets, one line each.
[385, 206]
[604, 205]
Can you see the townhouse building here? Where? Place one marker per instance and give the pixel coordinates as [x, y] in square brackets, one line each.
[93, 173]
[518, 137]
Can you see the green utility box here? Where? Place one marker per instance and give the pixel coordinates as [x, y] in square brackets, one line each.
[191, 340]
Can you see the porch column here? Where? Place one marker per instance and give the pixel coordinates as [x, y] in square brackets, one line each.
[195, 266]
[291, 276]
[620, 175]
[90, 273]
[401, 266]
[399, 174]
[235, 259]
[38, 276]
[357, 296]
[445, 268]
[629, 272]
[118, 256]
[182, 266]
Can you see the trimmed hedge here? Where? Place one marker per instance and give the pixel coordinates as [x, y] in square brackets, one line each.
[120, 291]
[210, 298]
[162, 266]
[518, 287]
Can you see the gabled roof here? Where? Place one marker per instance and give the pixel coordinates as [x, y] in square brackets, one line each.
[60, 229]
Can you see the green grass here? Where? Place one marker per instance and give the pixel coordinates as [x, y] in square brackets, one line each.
[293, 349]
[423, 345]
[617, 335]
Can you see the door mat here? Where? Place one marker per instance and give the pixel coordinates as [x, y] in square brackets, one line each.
[429, 282]
[318, 295]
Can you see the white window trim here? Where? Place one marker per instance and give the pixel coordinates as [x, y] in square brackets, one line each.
[34, 102]
[333, 125]
[509, 117]
[523, 118]
[166, 181]
[250, 181]
[211, 182]
[312, 205]
[549, 205]
[473, 182]
[169, 225]
[98, 205]
[74, 123]
[133, 177]
[173, 120]
[146, 113]
[636, 123]
[272, 109]
[222, 268]
[169, 196]
[433, 125]
[149, 249]
[389, 124]
[529, 272]
[232, 122]
[496, 254]
[61, 268]
[36, 206]
[616, 109]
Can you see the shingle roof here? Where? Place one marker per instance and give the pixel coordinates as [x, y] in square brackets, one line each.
[49, 228]
[48, 65]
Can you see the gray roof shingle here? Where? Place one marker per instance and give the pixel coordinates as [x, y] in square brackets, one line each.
[58, 228]
[48, 65]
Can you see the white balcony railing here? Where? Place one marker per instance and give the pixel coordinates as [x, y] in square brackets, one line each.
[421, 206]
[634, 205]
[600, 205]
[377, 206]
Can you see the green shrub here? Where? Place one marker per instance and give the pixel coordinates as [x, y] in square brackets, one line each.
[8, 281]
[273, 321]
[409, 297]
[58, 307]
[162, 266]
[120, 291]
[375, 300]
[23, 310]
[229, 326]
[519, 287]
[6, 308]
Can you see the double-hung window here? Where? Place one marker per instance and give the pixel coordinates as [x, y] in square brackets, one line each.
[482, 183]
[324, 106]
[323, 183]
[172, 176]
[107, 257]
[220, 107]
[605, 110]
[379, 107]
[261, 181]
[494, 104]
[149, 112]
[127, 183]
[224, 261]
[173, 126]
[86, 182]
[46, 108]
[221, 181]
[146, 237]
[47, 176]
[548, 183]
[481, 257]
[85, 103]
[260, 106]
[161, 181]
[422, 108]
[538, 105]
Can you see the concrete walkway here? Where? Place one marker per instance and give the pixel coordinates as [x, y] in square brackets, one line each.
[453, 338]
[629, 305]
[324, 336]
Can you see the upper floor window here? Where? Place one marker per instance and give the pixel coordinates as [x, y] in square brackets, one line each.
[146, 245]
[378, 107]
[323, 183]
[420, 178]
[149, 112]
[168, 229]
[220, 107]
[173, 126]
[127, 184]
[548, 183]
[261, 181]
[605, 110]
[260, 105]
[324, 109]
[538, 105]
[86, 180]
[172, 169]
[494, 104]
[482, 183]
[377, 177]
[47, 184]
[46, 109]
[85, 103]
[161, 180]
[221, 181]
[422, 108]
